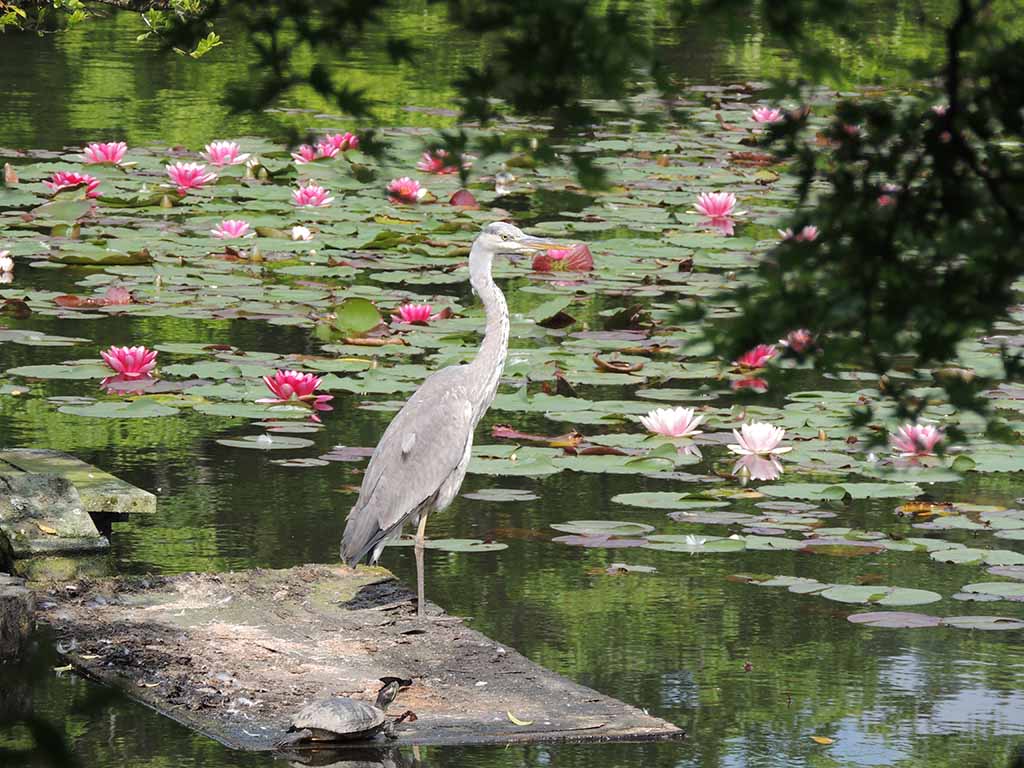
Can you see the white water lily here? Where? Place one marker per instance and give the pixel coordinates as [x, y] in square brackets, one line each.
[758, 438]
[672, 422]
[695, 541]
[301, 233]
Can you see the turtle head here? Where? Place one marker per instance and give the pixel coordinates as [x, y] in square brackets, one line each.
[389, 690]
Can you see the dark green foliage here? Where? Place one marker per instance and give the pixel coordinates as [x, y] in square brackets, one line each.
[920, 213]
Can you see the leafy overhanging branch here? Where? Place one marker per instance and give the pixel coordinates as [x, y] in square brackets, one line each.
[920, 210]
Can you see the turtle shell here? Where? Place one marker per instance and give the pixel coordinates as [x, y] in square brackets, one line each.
[339, 718]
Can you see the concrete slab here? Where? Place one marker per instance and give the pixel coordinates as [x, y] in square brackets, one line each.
[100, 491]
[43, 513]
[234, 655]
[16, 609]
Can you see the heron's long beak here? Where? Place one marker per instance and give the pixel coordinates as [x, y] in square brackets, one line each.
[545, 244]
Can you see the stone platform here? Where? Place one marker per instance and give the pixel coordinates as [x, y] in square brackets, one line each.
[234, 655]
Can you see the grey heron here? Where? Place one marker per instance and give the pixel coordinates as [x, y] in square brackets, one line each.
[420, 462]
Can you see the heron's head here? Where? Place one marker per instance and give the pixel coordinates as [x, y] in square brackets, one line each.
[502, 238]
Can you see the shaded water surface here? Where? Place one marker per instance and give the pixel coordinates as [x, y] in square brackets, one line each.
[752, 674]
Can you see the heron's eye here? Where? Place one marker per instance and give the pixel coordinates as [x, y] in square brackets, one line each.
[504, 237]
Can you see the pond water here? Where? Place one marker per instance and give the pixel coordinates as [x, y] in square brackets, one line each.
[752, 672]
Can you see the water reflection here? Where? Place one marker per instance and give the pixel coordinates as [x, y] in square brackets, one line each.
[382, 757]
[756, 467]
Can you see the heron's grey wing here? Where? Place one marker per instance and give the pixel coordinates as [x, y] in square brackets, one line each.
[425, 444]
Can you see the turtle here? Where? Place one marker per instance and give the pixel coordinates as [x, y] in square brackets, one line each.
[339, 718]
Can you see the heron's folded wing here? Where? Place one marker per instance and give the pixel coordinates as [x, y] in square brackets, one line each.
[421, 448]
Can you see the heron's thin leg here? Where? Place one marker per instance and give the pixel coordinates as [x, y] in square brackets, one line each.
[420, 539]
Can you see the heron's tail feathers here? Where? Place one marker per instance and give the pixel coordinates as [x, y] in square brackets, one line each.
[361, 535]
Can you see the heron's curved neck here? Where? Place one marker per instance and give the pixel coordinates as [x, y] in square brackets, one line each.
[490, 360]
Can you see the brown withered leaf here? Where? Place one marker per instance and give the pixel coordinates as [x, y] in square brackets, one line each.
[615, 366]
[751, 159]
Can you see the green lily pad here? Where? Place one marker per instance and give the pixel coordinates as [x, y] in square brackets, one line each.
[985, 623]
[453, 545]
[1009, 590]
[267, 442]
[842, 490]
[356, 316]
[694, 544]
[603, 528]
[86, 369]
[137, 409]
[665, 500]
[849, 593]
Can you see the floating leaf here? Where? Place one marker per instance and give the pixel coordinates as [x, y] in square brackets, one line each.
[501, 494]
[137, 409]
[86, 369]
[603, 528]
[1009, 590]
[356, 316]
[985, 623]
[665, 500]
[267, 442]
[895, 619]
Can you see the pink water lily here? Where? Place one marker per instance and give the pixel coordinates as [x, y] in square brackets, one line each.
[798, 341]
[758, 467]
[326, 149]
[405, 190]
[766, 115]
[758, 438]
[342, 142]
[186, 176]
[806, 234]
[117, 295]
[306, 154]
[757, 357]
[301, 233]
[717, 205]
[758, 385]
[418, 314]
[6, 262]
[232, 228]
[437, 161]
[111, 152]
[69, 179]
[463, 198]
[224, 153]
[311, 196]
[296, 387]
[916, 439]
[672, 422]
[575, 259]
[130, 362]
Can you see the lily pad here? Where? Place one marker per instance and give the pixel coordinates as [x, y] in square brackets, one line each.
[1008, 590]
[267, 442]
[136, 409]
[501, 494]
[603, 528]
[665, 500]
[985, 623]
[849, 593]
[895, 619]
[85, 369]
[694, 544]
[840, 491]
